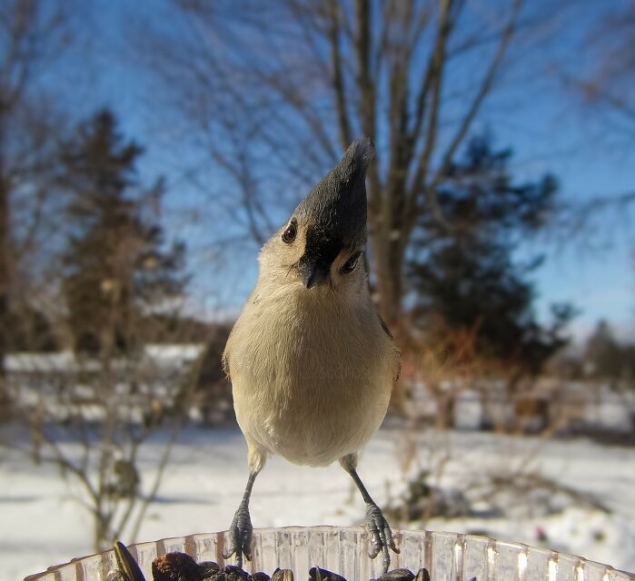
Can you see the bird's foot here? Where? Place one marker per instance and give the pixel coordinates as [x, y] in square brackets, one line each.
[240, 533]
[381, 538]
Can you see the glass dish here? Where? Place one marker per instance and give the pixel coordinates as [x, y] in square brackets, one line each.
[447, 556]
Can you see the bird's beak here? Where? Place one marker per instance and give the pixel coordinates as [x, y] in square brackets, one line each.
[313, 273]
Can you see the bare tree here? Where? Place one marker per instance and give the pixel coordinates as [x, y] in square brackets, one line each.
[88, 415]
[605, 91]
[92, 419]
[273, 92]
[608, 84]
[34, 34]
[297, 80]
[92, 411]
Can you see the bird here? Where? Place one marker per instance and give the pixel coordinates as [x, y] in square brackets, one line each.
[311, 363]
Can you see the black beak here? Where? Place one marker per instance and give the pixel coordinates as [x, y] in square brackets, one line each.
[313, 273]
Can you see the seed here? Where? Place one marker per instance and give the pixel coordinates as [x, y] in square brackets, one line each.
[318, 574]
[282, 575]
[397, 575]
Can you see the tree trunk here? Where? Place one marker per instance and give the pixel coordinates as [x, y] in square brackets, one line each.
[4, 290]
[388, 249]
[389, 280]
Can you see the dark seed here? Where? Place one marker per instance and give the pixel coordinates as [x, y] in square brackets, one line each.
[282, 575]
[423, 575]
[231, 573]
[175, 567]
[318, 574]
[117, 575]
[127, 567]
[397, 575]
[181, 567]
[208, 569]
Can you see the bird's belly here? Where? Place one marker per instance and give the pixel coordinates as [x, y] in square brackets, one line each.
[312, 420]
[309, 383]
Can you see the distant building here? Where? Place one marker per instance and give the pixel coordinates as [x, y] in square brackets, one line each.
[65, 384]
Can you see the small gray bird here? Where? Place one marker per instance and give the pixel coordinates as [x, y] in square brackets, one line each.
[311, 363]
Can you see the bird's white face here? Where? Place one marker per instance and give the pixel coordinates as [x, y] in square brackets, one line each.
[300, 254]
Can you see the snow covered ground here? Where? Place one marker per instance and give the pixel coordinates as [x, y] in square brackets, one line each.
[41, 522]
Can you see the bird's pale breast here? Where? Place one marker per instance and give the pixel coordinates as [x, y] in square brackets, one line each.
[311, 382]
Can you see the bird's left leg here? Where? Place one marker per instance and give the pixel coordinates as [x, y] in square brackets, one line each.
[378, 528]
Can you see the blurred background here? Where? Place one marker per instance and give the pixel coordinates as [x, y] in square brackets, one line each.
[148, 149]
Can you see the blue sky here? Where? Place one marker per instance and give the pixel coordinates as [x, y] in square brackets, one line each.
[541, 121]
[595, 270]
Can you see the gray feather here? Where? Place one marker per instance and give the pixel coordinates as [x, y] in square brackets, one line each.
[336, 207]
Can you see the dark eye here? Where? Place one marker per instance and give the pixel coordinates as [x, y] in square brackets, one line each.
[288, 235]
[351, 263]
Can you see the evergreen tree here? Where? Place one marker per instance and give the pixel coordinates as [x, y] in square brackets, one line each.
[604, 356]
[116, 267]
[31, 331]
[463, 274]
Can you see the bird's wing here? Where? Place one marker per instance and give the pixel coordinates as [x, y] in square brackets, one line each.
[384, 326]
[397, 372]
[387, 331]
[225, 363]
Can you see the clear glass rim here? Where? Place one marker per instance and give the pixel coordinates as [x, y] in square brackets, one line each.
[431, 547]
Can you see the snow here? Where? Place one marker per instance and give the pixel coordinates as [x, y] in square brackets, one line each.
[43, 524]
[29, 362]
[177, 353]
[67, 362]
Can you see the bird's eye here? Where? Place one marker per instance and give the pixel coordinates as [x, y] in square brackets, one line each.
[288, 235]
[351, 263]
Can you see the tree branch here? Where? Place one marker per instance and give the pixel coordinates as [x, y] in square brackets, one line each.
[338, 77]
[485, 88]
[365, 86]
[434, 78]
[429, 191]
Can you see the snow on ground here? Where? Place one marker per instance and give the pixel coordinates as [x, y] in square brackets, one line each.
[41, 523]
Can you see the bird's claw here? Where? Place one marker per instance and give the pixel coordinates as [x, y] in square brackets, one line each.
[240, 534]
[381, 538]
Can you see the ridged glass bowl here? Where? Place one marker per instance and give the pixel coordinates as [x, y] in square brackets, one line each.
[447, 556]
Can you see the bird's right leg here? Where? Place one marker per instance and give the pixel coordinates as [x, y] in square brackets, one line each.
[378, 527]
[241, 529]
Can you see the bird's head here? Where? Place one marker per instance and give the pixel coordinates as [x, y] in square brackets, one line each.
[322, 243]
